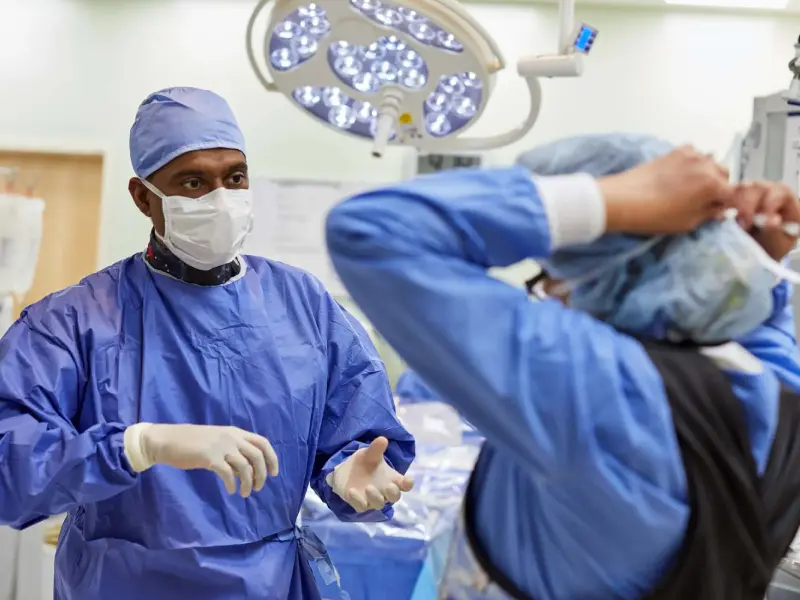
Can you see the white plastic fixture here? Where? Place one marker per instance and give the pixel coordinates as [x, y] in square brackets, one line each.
[408, 72]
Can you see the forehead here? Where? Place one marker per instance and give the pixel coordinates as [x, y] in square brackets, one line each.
[212, 162]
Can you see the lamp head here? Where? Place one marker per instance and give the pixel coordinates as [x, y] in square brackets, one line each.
[345, 63]
[407, 72]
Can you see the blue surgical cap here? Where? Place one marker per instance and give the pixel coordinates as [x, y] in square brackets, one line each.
[601, 155]
[662, 286]
[598, 155]
[175, 121]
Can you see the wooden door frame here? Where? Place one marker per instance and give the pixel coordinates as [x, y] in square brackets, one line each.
[86, 189]
[72, 147]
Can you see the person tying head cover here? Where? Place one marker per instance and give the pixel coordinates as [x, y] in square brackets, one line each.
[640, 423]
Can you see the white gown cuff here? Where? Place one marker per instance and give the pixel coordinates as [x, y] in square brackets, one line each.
[575, 208]
[134, 450]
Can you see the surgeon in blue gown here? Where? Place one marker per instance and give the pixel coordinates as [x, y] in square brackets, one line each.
[137, 400]
[584, 494]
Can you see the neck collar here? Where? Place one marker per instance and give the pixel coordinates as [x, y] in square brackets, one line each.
[161, 259]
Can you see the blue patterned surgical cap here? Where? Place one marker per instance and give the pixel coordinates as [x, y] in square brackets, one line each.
[601, 155]
[675, 287]
[597, 155]
[175, 121]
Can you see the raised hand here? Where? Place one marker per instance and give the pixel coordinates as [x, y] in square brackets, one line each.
[366, 482]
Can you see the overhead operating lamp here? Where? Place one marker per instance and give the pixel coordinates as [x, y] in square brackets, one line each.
[407, 72]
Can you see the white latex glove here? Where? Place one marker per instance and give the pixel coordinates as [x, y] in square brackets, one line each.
[366, 482]
[228, 451]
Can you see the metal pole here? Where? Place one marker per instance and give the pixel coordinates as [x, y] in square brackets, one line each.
[566, 21]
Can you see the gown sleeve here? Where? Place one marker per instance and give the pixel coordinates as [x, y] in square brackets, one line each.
[411, 388]
[359, 408]
[554, 389]
[47, 465]
[774, 343]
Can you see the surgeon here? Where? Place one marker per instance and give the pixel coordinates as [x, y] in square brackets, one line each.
[139, 400]
[641, 422]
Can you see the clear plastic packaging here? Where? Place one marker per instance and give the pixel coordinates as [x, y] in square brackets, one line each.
[404, 559]
[20, 239]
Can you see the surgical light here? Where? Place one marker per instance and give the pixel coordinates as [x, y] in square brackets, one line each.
[407, 72]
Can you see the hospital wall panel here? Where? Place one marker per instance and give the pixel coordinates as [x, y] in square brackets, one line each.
[80, 68]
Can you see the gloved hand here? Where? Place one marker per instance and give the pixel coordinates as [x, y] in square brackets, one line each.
[228, 451]
[366, 482]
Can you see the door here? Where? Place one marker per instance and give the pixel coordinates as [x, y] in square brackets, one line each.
[71, 187]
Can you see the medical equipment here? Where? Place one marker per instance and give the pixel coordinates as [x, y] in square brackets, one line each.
[406, 72]
[792, 95]
[786, 583]
[771, 148]
[433, 163]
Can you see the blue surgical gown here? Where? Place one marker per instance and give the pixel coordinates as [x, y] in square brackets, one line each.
[269, 352]
[586, 498]
[411, 389]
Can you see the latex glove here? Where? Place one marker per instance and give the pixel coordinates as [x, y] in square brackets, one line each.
[228, 451]
[366, 482]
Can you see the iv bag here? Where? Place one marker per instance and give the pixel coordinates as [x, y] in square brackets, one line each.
[20, 238]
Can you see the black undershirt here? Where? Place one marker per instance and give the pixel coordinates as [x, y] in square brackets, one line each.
[161, 259]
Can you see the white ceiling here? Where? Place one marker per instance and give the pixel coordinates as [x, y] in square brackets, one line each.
[794, 5]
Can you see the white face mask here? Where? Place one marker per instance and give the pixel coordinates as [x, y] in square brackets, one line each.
[209, 231]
